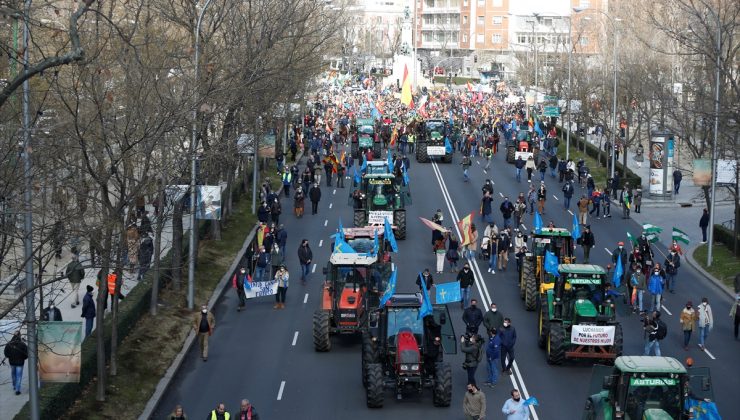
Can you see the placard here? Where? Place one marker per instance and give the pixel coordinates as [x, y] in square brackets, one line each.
[261, 288]
[60, 350]
[592, 335]
[377, 217]
[435, 150]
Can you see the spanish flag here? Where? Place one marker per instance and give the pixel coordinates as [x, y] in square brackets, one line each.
[394, 136]
[406, 97]
[470, 87]
[465, 228]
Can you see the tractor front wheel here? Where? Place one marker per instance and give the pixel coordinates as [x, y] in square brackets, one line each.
[358, 218]
[530, 290]
[556, 344]
[447, 158]
[442, 385]
[618, 341]
[510, 154]
[375, 392]
[369, 355]
[526, 272]
[421, 153]
[544, 323]
[399, 219]
[321, 338]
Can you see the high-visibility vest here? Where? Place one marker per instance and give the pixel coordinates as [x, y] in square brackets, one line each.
[226, 415]
[111, 283]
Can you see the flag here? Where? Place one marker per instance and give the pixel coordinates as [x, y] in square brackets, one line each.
[247, 282]
[340, 231]
[342, 247]
[531, 401]
[627, 201]
[650, 228]
[618, 271]
[470, 87]
[465, 228]
[358, 179]
[390, 290]
[363, 167]
[537, 222]
[538, 129]
[448, 292]
[342, 157]
[405, 176]
[406, 97]
[375, 244]
[426, 305]
[680, 236]
[652, 237]
[433, 226]
[390, 163]
[389, 236]
[551, 264]
[576, 228]
[394, 136]
[703, 410]
[448, 145]
[632, 239]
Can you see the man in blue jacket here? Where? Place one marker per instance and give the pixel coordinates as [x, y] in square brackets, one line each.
[88, 310]
[493, 353]
[508, 339]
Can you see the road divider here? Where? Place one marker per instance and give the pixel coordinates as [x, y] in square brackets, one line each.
[607, 251]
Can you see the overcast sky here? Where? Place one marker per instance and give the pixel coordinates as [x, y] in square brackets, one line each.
[545, 7]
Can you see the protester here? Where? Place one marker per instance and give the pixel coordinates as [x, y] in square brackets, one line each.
[428, 280]
[466, 279]
[203, 323]
[514, 408]
[282, 277]
[508, 340]
[305, 256]
[247, 411]
[587, 241]
[75, 273]
[314, 194]
[472, 346]
[706, 322]
[655, 284]
[655, 330]
[493, 356]
[219, 413]
[237, 282]
[671, 264]
[688, 320]
[472, 317]
[16, 352]
[703, 224]
[88, 310]
[178, 414]
[474, 403]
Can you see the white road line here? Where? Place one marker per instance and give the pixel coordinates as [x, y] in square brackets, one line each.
[555, 197]
[326, 222]
[571, 213]
[499, 193]
[334, 192]
[524, 227]
[313, 270]
[295, 339]
[607, 251]
[666, 310]
[280, 392]
[709, 354]
[331, 205]
[493, 183]
[305, 298]
[478, 162]
[321, 243]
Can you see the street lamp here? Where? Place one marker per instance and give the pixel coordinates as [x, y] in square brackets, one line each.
[714, 140]
[613, 22]
[193, 169]
[570, 83]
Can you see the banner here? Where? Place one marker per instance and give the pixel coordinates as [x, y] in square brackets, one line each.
[209, 202]
[702, 172]
[592, 335]
[448, 292]
[60, 350]
[465, 230]
[657, 150]
[260, 288]
[378, 217]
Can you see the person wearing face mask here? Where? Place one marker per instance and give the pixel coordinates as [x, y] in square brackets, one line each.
[472, 317]
[514, 408]
[507, 209]
[314, 194]
[472, 346]
[51, 313]
[656, 284]
[671, 264]
[237, 282]
[688, 320]
[620, 251]
[203, 323]
[465, 277]
[493, 320]
[508, 340]
[474, 403]
[493, 356]
[587, 241]
[706, 322]
[282, 277]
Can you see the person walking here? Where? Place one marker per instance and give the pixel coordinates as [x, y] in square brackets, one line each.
[507, 209]
[703, 224]
[470, 251]
[504, 244]
[486, 208]
[530, 167]
[542, 168]
[474, 403]
[203, 324]
[75, 273]
[493, 320]
[655, 330]
[281, 238]
[606, 204]
[541, 197]
[567, 194]
[656, 284]
[735, 314]
[466, 162]
[677, 177]
[625, 200]
[493, 354]
[583, 210]
[671, 264]
[639, 284]
[247, 411]
[637, 200]
[16, 351]
[219, 413]
[282, 277]
[305, 256]
[688, 320]
[519, 164]
[587, 241]
[465, 277]
[472, 346]
[472, 317]
[514, 408]
[88, 310]
[178, 414]
[453, 252]
[340, 175]
[237, 282]
[706, 322]
[428, 280]
[508, 340]
[314, 194]
[263, 262]
[439, 247]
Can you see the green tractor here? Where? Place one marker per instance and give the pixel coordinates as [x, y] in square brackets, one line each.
[648, 388]
[523, 145]
[430, 141]
[364, 138]
[576, 319]
[556, 240]
[380, 195]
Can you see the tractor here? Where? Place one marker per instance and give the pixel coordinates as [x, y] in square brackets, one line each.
[648, 388]
[350, 291]
[523, 145]
[364, 138]
[576, 319]
[431, 141]
[380, 195]
[556, 240]
[397, 351]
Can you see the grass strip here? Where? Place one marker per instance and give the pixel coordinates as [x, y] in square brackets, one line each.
[725, 265]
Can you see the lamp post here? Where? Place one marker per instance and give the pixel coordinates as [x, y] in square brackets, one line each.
[570, 82]
[714, 140]
[193, 164]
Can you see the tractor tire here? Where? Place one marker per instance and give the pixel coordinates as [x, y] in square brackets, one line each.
[510, 154]
[526, 272]
[556, 344]
[321, 333]
[544, 324]
[447, 158]
[375, 390]
[369, 355]
[399, 219]
[618, 341]
[421, 153]
[358, 218]
[442, 385]
[530, 292]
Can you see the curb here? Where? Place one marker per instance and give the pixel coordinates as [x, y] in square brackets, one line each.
[218, 292]
[689, 257]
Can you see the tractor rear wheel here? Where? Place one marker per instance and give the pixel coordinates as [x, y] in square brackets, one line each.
[421, 153]
[358, 218]
[526, 272]
[375, 391]
[618, 341]
[369, 355]
[399, 219]
[556, 344]
[544, 323]
[530, 291]
[510, 154]
[321, 338]
[442, 385]
[447, 158]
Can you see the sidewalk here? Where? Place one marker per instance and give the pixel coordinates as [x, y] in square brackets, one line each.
[61, 294]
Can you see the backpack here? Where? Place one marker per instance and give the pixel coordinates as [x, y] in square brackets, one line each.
[662, 330]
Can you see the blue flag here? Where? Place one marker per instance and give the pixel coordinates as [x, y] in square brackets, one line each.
[448, 145]
[342, 247]
[363, 167]
[576, 229]
[452, 121]
[703, 410]
[405, 176]
[389, 236]
[390, 290]
[531, 401]
[358, 179]
[448, 292]
[538, 129]
[551, 264]
[247, 282]
[618, 271]
[340, 231]
[390, 162]
[426, 305]
[376, 248]
[537, 222]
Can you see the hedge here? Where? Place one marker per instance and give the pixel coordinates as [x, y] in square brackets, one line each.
[726, 236]
[626, 174]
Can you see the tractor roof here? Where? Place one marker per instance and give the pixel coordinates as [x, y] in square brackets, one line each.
[365, 121]
[649, 364]
[588, 269]
[366, 129]
[405, 300]
[364, 232]
[342, 258]
[552, 232]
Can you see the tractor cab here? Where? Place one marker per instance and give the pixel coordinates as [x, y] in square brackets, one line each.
[649, 388]
[555, 240]
[380, 196]
[431, 142]
[521, 146]
[364, 138]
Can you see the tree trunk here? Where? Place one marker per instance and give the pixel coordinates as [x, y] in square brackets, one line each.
[216, 229]
[100, 314]
[707, 198]
[157, 252]
[177, 236]
[123, 242]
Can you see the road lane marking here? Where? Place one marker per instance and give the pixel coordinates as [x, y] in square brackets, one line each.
[666, 309]
[334, 192]
[305, 298]
[478, 162]
[607, 251]
[331, 205]
[326, 222]
[499, 193]
[321, 243]
[295, 339]
[280, 392]
[313, 270]
[524, 227]
[555, 197]
[709, 354]
[571, 213]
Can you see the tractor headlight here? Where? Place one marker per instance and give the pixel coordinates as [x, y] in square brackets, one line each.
[415, 368]
[405, 368]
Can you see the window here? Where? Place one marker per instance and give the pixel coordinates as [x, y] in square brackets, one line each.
[481, 20]
[479, 38]
[496, 38]
[465, 20]
[521, 39]
[465, 38]
[547, 21]
[584, 41]
[498, 3]
[465, 2]
[481, 3]
[497, 20]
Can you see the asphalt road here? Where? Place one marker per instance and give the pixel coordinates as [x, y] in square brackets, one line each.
[267, 355]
